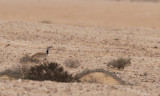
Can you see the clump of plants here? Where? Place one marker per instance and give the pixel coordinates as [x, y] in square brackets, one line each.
[49, 71]
[46, 22]
[119, 63]
[72, 63]
[27, 58]
[14, 73]
[55, 72]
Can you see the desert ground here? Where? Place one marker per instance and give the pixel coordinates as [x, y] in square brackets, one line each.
[93, 32]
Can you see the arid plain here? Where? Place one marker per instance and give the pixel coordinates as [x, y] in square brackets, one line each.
[92, 31]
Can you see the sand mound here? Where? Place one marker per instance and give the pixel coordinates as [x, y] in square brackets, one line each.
[100, 76]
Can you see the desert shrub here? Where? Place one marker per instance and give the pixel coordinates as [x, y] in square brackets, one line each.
[61, 49]
[72, 63]
[119, 63]
[46, 22]
[26, 62]
[26, 58]
[14, 73]
[54, 72]
[49, 71]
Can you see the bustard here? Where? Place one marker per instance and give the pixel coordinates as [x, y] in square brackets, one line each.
[40, 56]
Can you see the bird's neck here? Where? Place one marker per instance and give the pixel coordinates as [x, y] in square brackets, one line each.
[47, 51]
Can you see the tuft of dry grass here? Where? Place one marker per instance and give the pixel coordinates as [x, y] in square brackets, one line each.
[12, 73]
[26, 62]
[26, 58]
[46, 22]
[61, 49]
[119, 63]
[72, 63]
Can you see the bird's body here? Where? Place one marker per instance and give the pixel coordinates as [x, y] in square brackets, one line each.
[40, 56]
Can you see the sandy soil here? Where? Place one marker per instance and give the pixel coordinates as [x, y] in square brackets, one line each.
[93, 46]
[83, 12]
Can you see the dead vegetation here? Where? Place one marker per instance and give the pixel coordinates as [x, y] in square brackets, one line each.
[119, 63]
[49, 71]
[72, 63]
[12, 73]
[43, 70]
[26, 58]
[46, 22]
[54, 72]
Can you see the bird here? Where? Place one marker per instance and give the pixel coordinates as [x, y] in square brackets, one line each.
[41, 56]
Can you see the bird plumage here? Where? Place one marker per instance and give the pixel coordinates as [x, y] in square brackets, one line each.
[41, 55]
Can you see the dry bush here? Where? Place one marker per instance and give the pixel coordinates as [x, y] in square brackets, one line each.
[45, 71]
[49, 71]
[26, 58]
[19, 71]
[61, 49]
[34, 70]
[119, 63]
[26, 62]
[72, 63]
[54, 72]
[12, 73]
[46, 22]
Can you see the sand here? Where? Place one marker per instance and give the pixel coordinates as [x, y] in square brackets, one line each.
[83, 12]
[93, 32]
